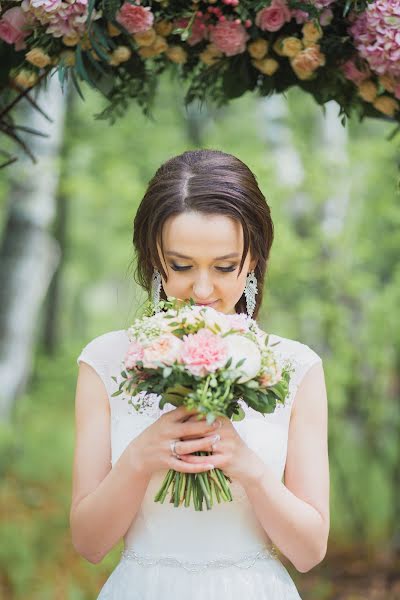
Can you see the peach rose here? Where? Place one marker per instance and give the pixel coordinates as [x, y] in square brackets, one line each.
[166, 349]
[387, 105]
[367, 90]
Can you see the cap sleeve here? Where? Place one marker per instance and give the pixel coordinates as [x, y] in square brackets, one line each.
[104, 354]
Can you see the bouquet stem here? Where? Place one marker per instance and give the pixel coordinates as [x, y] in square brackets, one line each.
[202, 486]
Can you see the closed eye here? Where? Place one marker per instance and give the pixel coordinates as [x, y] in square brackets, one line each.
[222, 269]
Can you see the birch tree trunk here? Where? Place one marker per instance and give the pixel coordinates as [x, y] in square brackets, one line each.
[28, 253]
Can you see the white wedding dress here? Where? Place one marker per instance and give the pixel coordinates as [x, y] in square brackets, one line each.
[176, 553]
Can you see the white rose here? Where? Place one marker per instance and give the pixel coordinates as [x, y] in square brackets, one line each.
[241, 347]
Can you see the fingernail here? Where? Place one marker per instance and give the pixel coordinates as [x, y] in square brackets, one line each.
[211, 466]
[216, 438]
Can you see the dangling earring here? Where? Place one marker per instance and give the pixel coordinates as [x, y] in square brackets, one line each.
[250, 292]
[156, 288]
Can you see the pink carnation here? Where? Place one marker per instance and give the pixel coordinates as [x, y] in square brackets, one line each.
[198, 30]
[135, 18]
[13, 27]
[376, 35]
[229, 37]
[203, 352]
[133, 354]
[273, 17]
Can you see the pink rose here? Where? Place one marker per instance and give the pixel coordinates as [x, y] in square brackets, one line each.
[229, 37]
[12, 27]
[203, 352]
[166, 349]
[352, 73]
[133, 354]
[135, 18]
[273, 17]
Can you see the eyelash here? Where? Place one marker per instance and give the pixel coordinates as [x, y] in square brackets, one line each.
[221, 269]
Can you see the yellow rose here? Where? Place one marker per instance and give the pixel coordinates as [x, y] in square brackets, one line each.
[38, 57]
[277, 47]
[291, 46]
[120, 54]
[258, 48]
[386, 105]
[387, 83]
[367, 90]
[147, 52]
[310, 32]
[68, 58]
[146, 38]
[176, 54]
[70, 40]
[25, 78]
[160, 44]
[267, 66]
[163, 28]
[210, 55]
[112, 30]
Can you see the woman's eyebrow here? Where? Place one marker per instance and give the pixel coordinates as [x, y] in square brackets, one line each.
[232, 255]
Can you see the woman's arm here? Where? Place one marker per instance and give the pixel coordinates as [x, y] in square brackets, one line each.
[295, 514]
[104, 500]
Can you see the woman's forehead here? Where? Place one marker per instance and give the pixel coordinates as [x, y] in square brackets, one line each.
[217, 234]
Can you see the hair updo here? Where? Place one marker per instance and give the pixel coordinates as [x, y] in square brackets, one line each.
[209, 182]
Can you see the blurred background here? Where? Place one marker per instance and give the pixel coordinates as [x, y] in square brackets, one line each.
[66, 277]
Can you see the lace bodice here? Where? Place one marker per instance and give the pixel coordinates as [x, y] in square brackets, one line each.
[229, 530]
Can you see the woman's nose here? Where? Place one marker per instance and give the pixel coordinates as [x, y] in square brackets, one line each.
[203, 289]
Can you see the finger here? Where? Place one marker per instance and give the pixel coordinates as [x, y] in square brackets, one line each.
[186, 467]
[183, 412]
[193, 459]
[195, 428]
[204, 443]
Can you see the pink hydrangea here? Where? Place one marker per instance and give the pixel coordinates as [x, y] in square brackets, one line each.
[65, 18]
[203, 352]
[198, 32]
[229, 37]
[376, 34]
[13, 27]
[273, 17]
[135, 18]
[133, 354]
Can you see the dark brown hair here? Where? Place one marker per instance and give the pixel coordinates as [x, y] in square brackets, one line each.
[210, 182]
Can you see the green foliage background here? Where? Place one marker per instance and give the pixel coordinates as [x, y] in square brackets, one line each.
[337, 293]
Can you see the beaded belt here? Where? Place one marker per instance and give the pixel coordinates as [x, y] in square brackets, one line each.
[245, 562]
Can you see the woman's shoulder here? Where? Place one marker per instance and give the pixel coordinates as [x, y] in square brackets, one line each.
[105, 347]
[299, 352]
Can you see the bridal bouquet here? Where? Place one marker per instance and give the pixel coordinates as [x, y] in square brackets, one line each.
[198, 357]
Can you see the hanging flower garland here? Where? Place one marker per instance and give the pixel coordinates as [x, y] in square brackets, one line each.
[346, 50]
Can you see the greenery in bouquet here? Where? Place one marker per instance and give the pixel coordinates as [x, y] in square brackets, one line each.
[347, 50]
[205, 360]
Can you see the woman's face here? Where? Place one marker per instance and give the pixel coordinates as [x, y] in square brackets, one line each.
[201, 272]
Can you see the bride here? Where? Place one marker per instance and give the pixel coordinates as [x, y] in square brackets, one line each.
[203, 230]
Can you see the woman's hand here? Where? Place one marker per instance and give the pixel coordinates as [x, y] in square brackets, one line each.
[230, 453]
[151, 449]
